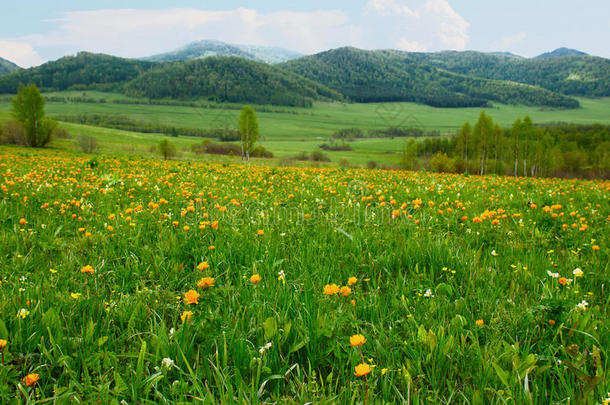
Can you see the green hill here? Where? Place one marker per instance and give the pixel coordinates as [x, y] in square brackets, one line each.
[574, 75]
[83, 71]
[7, 66]
[229, 79]
[376, 76]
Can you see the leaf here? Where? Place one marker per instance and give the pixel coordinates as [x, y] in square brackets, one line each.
[298, 346]
[502, 374]
[270, 327]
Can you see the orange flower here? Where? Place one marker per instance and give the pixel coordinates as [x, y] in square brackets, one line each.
[3, 343]
[595, 247]
[203, 265]
[479, 322]
[214, 224]
[356, 340]
[255, 278]
[22, 221]
[260, 232]
[186, 316]
[563, 280]
[362, 369]
[345, 291]
[351, 281]
[331, 289]
[87, 269]
[31, 379]
[206, 282]
[191, 297]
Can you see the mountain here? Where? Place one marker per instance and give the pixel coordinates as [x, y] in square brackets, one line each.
[559, 52]
[387, 75]
[83, 71]
[584, 76]
[229, 79]
[7, 66]
[207, 48]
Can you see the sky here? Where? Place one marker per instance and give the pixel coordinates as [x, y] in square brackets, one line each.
[35, 31]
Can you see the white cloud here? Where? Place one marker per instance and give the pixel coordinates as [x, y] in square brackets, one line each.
[20, 53]
[410, 46]
[427, 23]
[508, 42]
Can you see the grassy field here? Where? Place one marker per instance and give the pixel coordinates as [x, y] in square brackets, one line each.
[145, 281]
[289, 131]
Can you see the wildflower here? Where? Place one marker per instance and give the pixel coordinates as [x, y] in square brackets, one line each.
[167, 362]
[595, 247]
[563, 281]
[551, 322]
[31, 379]
[353, 303]
[428, 293]
[479, 322]
[203, 265]
[384, 371]
[351, 281]
[362, 369]
[191, 297]
[345, 291]
[577, 272]
[582, 305]
[281, 276]
[22, 221]
[356, 340]
[260, 232]
[75, 295]
[255, 278]
[493, 253]
[23, 313]
[3, 343]
[206, 282]
[264, 348]
[53, 271]
[186, 316]
[331, 289]
[551, 274]
[87, 269]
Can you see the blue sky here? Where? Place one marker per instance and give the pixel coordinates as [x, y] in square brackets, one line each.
[34, 31]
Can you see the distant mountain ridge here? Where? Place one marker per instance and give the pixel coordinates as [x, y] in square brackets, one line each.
[559, 52]
[208, 48]
[6, 66]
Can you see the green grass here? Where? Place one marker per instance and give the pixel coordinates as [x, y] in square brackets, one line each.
[432, 255]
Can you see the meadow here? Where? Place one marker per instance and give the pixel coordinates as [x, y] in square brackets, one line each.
[289, 131]
[146, 281]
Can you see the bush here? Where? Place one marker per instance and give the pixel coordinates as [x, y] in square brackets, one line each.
[261, 152]
[318, 156]
[167, 149]
[87, 143]
[442, 163]
[371, 164]
[13, 133]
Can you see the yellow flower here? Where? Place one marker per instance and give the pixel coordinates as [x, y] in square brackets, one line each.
[22, 221]
[255, 278]
[331, 289]
[75, 295]
[186, 316]
[345, 291]
[23, 313]
[53, 271]
[351, 281]
[87, 269]
[260, 232]
[356, 340]
[3, 343]
[206, 282]
[383, 371]
[362, 369]
[479, 322]
[191, 297]
[31, 379]
[203, 265]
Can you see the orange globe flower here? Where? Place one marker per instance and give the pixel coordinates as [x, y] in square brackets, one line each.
[345, 291]
[191, 297]
[331, 289]
[351, 281]
[31, 379]
[186, 316]
[260, 232]
[206, 282]
[203, 265]
[3, 343]
[563, 280]
[362, 369]
[87, 269]
[22, 221]
[479, 322]
[255, 278]
[356, 340]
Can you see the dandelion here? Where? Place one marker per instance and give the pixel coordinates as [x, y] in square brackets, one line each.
[186, 316]
[191, 297]
[31, 379]
[351, 281]
[331, 289]
[255, 278]
[362, 369]
[356, 340]
[87, 269]
[203, 266]
[206, 282]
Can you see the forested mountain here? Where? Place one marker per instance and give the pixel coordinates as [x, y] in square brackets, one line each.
[207, 48]
[83, 71]
[229, 79]
[7, 66]
[559, 52]
[587, 76]
[375, 76]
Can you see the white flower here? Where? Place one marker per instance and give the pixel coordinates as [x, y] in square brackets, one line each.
[493, 253]
[263, 349]
[428, 293]
[554, 275]
[23, 313]
[577, 272]
[171, 332]
[582, 305]
[167, 362]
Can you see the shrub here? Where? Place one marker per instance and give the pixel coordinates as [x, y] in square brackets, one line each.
[442, 163]
[167, 149]
[318, 156]
[87, 143]
[13, 133]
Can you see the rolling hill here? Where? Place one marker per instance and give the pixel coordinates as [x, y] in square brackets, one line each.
[7, 66]
[83, 71]
[559, 52]
[229, 79]
[387, 75]
[207, 48]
